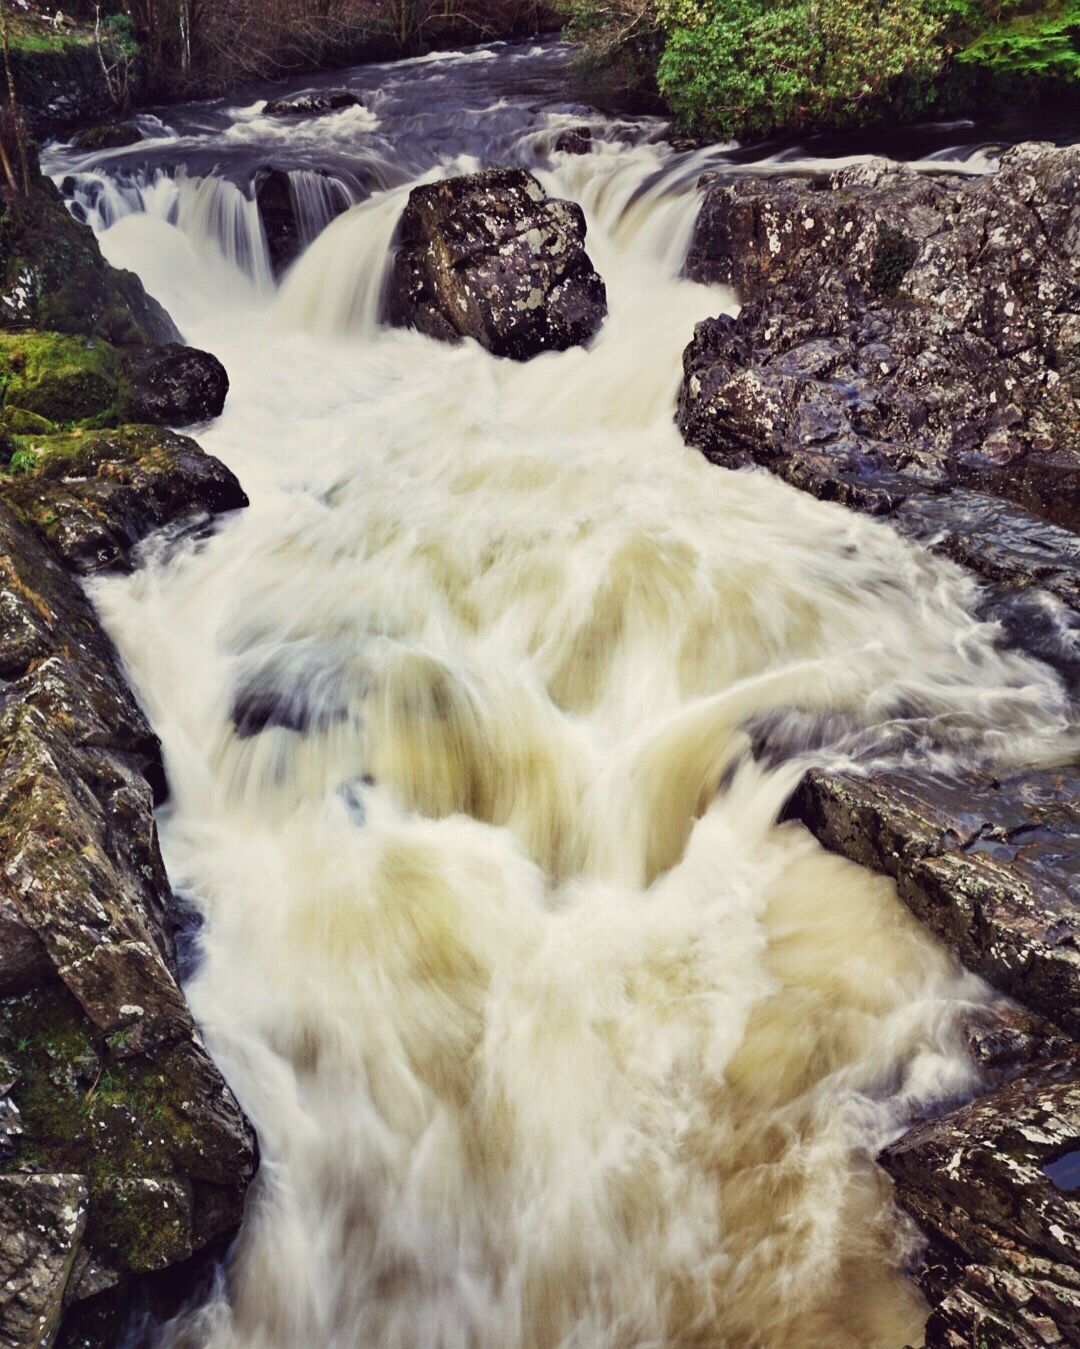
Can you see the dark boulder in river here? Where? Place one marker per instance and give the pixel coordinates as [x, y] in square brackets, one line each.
[109, 136]
[311, 105]
[491, 257]
[173, 385]
[901, 335]
[994, 1187]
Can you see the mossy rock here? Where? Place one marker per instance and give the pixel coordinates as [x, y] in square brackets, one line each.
[110, 136]
[74, 381]
[166, 1159]
[53, 277]
[21, 422]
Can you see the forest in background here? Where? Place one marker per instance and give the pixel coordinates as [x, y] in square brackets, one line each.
[167, 48]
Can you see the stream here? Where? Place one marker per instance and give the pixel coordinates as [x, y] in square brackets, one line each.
[478, 723]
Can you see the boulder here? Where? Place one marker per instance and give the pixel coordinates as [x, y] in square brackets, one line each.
[576, 141]
[53, 277]
[58, 379]
[280, 212]
[490, 257]
[312, 105]
[172, 385]
[994, 1186]
[94, 495]
[902, 337]
[108, 136]
[988, 865]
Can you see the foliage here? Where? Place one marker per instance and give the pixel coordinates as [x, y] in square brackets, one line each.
[751, 67]
[1044, 45]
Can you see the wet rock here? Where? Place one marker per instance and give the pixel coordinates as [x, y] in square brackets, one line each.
[996, 539]
[491, 257]
[53, 277]
[86, 382]
[278, 211]
[902, 336]
[285, 235]
[105, 1076]
[988, 865]
[108, 136]
[173, 385]
[95, 495]
[61, 83]
[993, 1186]
[576, 141]
[312, 105]
[42, 1218]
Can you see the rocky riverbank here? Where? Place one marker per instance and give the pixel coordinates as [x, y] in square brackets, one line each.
[123, 1154]
[909, 346]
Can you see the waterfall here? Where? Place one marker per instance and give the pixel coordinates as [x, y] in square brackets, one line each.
[552, 1036]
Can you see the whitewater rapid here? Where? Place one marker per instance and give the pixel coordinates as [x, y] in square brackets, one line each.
[552, 1036]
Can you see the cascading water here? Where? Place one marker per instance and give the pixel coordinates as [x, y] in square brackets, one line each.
[551, 1035]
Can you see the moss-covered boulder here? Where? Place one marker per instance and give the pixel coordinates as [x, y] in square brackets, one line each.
[109, 136]
[53, 277]
[60, 377]
[93, 495]
[75, 381]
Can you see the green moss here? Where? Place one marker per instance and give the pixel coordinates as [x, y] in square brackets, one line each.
[893, 259]
[28, 35]
[75, 381]
[20, 422]
[118, 1121]
[53, 277]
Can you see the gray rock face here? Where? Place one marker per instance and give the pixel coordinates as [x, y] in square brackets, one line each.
[994, 1187]
[42, 1220]
[904, 339]
[987, 865]
[491, 257]
[122, 1151]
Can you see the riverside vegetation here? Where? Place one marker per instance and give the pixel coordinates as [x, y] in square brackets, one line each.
[754, 67]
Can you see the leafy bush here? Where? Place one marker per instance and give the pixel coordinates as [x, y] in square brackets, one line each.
[1044, 45]
[751, 67]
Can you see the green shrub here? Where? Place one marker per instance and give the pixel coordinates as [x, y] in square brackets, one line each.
[752, 67]
[1044, 46]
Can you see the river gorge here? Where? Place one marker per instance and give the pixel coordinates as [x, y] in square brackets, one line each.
[479, 722]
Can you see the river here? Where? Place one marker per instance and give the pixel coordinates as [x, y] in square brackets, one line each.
[552, 1036]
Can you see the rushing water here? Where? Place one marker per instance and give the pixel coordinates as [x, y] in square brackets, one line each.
[551, 1035]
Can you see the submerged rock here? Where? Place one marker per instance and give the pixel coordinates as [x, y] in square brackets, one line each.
[94, 495]
[491, 257]
[108, 136]
[285, 236]
[312, 105]
[576, 141]
[988, 865]
[994, 1187]
[902, 336]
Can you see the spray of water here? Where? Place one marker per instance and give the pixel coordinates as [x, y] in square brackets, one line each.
[552, 1037]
